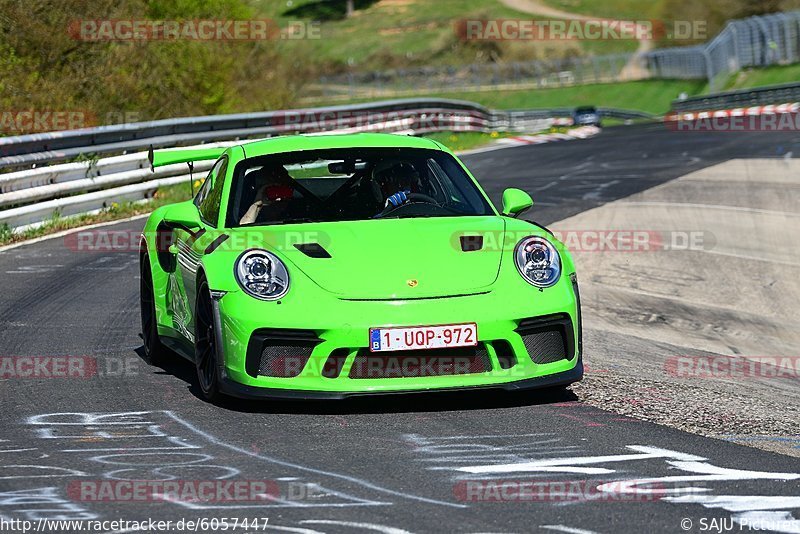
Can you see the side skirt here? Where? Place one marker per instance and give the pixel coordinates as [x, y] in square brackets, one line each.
[178, 344]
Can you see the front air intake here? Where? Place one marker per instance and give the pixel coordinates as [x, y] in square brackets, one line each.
[280, 353]
[549, 338]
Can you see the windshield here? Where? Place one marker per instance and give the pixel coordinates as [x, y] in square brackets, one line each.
[351, 184]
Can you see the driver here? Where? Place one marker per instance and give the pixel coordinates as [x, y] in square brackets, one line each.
[395, 180]
[273, 187]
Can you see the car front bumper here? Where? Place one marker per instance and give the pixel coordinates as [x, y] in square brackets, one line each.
[321, 326]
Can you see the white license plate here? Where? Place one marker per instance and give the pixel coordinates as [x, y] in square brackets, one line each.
[423, 337]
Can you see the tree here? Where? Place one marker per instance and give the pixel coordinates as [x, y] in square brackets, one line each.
[350, 8]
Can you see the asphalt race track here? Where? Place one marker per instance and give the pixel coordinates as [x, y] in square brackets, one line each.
[424, 463]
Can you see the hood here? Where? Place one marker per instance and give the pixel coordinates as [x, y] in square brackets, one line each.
[395, 258]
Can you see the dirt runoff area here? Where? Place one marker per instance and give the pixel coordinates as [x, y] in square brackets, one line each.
[691, 300]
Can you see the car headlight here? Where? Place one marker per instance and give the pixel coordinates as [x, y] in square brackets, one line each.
[538, 261]
[262, 275]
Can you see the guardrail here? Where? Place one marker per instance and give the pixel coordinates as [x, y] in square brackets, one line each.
[515, 116]
[414, 114]
[759, 96]
[30, 196]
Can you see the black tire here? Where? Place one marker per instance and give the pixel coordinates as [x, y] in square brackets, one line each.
[205, 346]
[154, 352]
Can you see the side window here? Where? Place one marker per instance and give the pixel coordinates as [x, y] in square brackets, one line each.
[210, 196]
[206, 187]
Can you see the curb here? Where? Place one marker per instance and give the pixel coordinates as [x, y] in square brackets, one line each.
[772, 109]
[582, 132]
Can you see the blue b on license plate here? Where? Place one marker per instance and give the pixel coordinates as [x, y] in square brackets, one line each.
[423, 337]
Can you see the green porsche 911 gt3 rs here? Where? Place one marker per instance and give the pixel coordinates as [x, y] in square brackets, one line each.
[333, 265]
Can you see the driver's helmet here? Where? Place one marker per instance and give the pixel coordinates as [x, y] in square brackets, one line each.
[393, 176]
[276, 183]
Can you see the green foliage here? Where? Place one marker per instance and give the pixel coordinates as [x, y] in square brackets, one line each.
[200, 9]
[43, 67]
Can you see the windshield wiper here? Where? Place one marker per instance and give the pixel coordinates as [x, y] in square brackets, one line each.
[296, 220]
[416, 216]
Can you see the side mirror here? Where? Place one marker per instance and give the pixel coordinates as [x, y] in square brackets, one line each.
[184, 215]
[516, 202]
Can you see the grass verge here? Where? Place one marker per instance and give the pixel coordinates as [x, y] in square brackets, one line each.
[767, 76]
[652, 96]
[459, 141]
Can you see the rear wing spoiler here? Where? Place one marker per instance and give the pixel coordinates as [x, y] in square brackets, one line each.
[159, 158]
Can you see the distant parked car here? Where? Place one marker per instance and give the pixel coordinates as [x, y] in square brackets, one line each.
[586, 116]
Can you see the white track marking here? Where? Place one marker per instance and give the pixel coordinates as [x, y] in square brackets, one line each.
[702, 472]
[644, 453]
[739, 503]
[526, 467]
[415, 438]
[63, 470]
[293, 529]
[366, 526]
[354, 480]
[568, 530]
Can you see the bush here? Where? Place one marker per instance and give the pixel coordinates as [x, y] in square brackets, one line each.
[42, 67]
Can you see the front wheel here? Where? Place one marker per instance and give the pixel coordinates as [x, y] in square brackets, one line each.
[206, 345]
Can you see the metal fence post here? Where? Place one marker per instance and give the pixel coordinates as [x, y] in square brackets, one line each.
[709, 69]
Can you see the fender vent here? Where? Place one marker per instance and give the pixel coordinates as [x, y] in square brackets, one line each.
[312, 250]
[471, 243]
